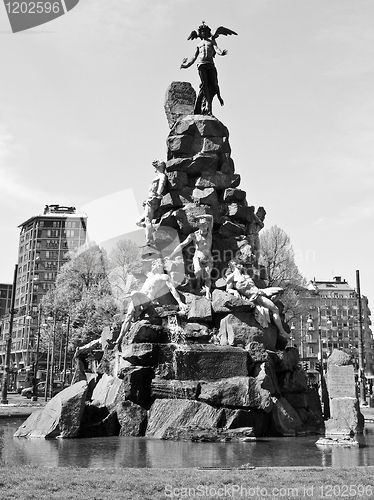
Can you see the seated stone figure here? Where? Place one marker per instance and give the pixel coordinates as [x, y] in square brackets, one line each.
[153, 287]
[238, 282]
[153, 201]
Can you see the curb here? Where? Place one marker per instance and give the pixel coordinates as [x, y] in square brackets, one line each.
[13, 411]
[14, 415]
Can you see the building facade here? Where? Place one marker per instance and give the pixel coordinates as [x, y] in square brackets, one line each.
[43, 246]
[331, 321]
[5, 299]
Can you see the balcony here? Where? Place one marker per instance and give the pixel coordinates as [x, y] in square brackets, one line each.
[312, 354]
[311, 340]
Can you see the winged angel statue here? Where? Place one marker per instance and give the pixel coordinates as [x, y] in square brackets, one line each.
[204, 55]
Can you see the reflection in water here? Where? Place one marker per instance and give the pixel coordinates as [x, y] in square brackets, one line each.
[140, 452]
[350, 457]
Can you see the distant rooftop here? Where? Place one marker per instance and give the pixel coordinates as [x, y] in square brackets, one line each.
[328, 285]
[58, 209]
[55, 210]
[337, 283]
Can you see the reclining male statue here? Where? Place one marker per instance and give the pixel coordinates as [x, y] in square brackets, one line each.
[238, 282]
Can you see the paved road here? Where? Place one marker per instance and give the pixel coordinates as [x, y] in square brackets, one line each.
[16, 399]
[19, 406]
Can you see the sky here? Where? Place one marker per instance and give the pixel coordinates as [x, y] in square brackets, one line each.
[82, 118]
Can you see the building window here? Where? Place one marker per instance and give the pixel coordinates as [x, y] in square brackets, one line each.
[49, 276]
[51, 255]
[53, 233]
[50, 265]
[72, 244]
[52, 244]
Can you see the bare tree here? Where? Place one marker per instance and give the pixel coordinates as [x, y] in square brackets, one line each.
[125, 265]
[278, 259]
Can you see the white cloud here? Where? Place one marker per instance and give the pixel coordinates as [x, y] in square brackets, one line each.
[13, 190]
[7, 146]
[349, 214]
[361, 212]
[13, 187]
[320, 222]
[111, 216]
[348, 37]
[123, 21]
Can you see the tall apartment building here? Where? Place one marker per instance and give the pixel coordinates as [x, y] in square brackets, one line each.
[331, 321]
[5, 298]
[43, 244]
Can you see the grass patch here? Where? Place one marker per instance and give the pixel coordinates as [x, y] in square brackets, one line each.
[42, 483]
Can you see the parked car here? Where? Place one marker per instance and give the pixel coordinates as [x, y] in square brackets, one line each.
[24, 379]
[40, 389]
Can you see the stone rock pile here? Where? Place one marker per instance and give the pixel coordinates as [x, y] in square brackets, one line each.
[216, 371]
[188, 391]
[202, 180]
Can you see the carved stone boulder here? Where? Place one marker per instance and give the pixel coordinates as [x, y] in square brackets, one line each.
[61, 416]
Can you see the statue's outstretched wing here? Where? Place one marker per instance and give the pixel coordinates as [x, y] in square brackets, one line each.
[223, 31]
[193, 35]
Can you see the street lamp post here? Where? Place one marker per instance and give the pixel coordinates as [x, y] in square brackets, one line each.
[4, 389]
[320, 358]
[26, 340]
[48, 381]
[361, 376]
[329, 325]
[310, 328]
[320, 348]
[66, 350]
[320, 345]
[36, 364]
[292, 336]
[301, 338]
[53, 354]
